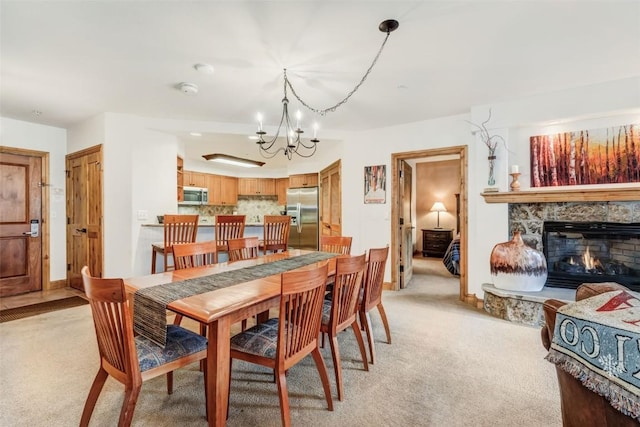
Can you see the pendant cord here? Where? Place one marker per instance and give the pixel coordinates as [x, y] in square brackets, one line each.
[323, 112]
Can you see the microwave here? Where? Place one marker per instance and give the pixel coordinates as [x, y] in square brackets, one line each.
[195, 196]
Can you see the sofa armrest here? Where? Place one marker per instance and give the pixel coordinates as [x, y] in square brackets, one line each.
[587, 290]
[550, 307]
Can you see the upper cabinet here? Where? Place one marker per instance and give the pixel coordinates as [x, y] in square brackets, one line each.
[303, 180]
[223, 190]
[180, 179]
[256, 187]
[282, 184]
[195, 179]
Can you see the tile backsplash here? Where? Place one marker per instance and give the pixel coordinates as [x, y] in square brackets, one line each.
[254, 207]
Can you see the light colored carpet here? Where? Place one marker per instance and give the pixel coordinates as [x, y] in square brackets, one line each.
[448, 365]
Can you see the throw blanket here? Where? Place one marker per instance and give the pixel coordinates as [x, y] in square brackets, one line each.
[150, 304]
[597, 341]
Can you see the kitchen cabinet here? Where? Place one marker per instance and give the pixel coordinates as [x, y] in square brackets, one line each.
[282, 184]
[256, 187]
[303, 180]
[180, 178]
[223, 190]
[435, 241]
[195, 179]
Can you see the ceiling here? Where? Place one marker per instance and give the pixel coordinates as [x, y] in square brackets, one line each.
[71, 60]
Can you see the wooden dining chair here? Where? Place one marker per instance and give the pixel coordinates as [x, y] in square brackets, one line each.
[372, 295]
[341, 311]
[276, 233]
[280, 343]
[243, 248]
[336, 244]
[190, 255]
[127, 358]
[177, 229]
[228, 227]
[196, 254]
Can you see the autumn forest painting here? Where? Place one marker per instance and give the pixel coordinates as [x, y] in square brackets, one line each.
[602, 156]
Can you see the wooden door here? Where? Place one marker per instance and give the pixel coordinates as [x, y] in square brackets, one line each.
[331, 201]
[84, 214]
[20, 224]
[405, 238]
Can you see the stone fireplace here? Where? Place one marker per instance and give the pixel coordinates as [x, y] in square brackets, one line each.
[530, 211]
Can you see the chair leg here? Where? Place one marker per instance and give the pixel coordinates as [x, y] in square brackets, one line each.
[363, 350]
[153, 261]
[366, 324]
[170, 382]
[92, 398]
[128, 406]
[383, 315]
[324, 377]
[335, 355]
[283, 395]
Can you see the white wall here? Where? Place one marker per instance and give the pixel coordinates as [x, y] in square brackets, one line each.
[19, 134]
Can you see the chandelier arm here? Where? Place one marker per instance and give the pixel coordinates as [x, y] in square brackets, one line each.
[323, 112]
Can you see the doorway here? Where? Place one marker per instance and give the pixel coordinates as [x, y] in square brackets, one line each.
[24, 235]
[84, 214]
[399, 231]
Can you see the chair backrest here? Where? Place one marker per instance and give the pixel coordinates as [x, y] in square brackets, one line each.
[336, 244]
[276, 232]
[346, 291]
[179, 229]
[300, 313]
[113, 324]
[374, 278]
[244, 248]
[228, 227]
[197, 254]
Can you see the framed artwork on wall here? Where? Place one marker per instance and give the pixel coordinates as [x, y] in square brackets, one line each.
[375, 184]
[601, 156]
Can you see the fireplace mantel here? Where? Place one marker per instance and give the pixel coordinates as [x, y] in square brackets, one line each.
[565, 195]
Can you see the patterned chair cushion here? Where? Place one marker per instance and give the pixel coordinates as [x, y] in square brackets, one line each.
[180, 342]
[261, 339]
[326, 311]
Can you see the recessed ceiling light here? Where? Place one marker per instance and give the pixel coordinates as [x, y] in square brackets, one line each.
[195, 134]
[204, 68]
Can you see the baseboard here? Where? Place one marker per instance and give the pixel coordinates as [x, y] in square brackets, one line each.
[58, 284]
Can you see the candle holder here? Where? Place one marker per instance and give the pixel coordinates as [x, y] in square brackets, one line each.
[515, 185]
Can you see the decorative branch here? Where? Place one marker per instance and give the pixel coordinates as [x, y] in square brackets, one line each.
[491, 141]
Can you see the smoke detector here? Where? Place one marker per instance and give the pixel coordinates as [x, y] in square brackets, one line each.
[188, 88]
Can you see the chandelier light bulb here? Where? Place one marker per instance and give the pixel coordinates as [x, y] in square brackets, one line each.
[315, 130]
[298, 117]
[259, 117]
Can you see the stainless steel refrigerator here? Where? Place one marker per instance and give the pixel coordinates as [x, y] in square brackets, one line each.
[302, 206]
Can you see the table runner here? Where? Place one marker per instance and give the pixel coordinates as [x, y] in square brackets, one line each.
[150, 304]
[597, 340]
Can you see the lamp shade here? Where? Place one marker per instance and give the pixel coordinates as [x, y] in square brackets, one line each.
[438, 207]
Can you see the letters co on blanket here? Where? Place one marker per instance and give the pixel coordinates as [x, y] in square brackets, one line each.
[597, 340]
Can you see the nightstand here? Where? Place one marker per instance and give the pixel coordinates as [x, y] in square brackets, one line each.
[435, 241]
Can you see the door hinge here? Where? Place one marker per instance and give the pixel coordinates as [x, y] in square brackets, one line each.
[68, 173]
[400, 174]
[401, 221]
[402, 269]
[68, 220]
[68, 267]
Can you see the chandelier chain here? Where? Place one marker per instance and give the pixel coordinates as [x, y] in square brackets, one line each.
[323, 112]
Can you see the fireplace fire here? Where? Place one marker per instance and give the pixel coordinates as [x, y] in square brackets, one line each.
[592, 252]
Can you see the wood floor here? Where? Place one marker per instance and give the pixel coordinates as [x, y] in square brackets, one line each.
[37, 297]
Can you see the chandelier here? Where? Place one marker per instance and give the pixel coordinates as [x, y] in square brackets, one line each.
[292, 135]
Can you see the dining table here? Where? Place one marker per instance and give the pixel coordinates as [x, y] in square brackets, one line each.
[220, 308]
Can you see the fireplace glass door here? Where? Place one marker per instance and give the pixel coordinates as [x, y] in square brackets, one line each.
[592, 252]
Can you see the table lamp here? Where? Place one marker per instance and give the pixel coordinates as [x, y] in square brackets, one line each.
[438, 207]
